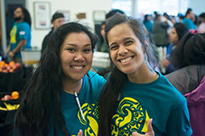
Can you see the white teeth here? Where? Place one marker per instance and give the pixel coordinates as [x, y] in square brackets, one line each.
[125, 60]
[77, 67]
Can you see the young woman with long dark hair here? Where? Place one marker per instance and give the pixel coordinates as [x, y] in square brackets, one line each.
[134, 96]
[61, 96]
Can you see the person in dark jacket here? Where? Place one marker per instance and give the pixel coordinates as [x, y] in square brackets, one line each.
[57, 20]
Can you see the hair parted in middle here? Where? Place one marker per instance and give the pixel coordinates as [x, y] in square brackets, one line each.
[41, 105]
[110, 93]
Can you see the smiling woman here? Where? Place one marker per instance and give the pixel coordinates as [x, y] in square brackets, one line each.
[61, 97]
[134, 95]
[76, 56]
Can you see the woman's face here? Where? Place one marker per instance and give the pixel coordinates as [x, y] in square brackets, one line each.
[76, 55]
[102, 31]
[125, 49]
[58, 22]
[173, 37]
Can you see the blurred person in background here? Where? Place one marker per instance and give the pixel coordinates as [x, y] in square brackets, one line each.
[201, 27]
[113, 12]
[103, 46]
[148, 22]
[57, 20]
[20, 35]
[189, 59]
[176, 34]
[159, 30]
[181, 17]
[189, 16]
[173, 19]
[1, 49]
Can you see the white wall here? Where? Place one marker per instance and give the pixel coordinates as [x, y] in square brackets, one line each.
[198, 6]
[74, 6]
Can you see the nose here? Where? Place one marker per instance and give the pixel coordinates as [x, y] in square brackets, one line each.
[122, 50]
[79, 57]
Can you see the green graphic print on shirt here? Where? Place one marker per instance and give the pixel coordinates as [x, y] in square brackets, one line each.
[130, 117]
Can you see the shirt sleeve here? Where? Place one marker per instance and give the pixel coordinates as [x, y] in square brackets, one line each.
[23, 32]
[178, 122]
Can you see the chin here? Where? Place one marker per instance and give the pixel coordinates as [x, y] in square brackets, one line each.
[127, 70]
[77, 77]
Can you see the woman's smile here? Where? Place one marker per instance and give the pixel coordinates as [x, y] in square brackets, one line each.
[124, 60]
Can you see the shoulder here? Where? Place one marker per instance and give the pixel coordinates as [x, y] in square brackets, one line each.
[96, 82]
[23, 25]
[170, 91]
[96, 78]
[183, 74]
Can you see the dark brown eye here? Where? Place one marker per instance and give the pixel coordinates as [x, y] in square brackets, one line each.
[87, 50]
[71, 50]
[114, 47]
[128, 42]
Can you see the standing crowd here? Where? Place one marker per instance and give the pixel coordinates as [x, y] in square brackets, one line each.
[64, 97]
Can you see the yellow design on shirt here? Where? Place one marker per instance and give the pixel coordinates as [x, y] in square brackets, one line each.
[130, 117]
[91, 115]
[13, 35]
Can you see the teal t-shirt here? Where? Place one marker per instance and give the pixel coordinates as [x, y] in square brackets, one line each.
[88, 97]
[158, 100]
[189, 23]
[20, 31]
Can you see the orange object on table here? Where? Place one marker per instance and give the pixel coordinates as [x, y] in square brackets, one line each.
[15, 95]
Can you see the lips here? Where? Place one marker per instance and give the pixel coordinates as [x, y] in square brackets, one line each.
[78, 67]
[125, 59]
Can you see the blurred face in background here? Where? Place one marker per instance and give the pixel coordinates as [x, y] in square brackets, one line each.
[202, 19]
[173, 36]
[18, 14]
[102, 31]
[58, 22]
[192, 16]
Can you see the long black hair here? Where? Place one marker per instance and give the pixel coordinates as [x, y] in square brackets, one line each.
[27, 17]
[181, 30]
[110, 93]
[189, 51]
[40, 107]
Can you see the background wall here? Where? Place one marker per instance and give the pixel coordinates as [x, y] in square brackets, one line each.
[197, 6]
[74, 6]
[86, 6]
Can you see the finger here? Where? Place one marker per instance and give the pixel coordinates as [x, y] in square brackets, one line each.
[80, 133]
[135, 134]
[149, 127]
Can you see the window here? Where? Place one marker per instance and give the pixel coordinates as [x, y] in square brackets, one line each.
[172, 7]
[124, 5]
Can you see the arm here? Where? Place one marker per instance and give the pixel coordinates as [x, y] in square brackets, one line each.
[17, 49]
[8, 49]
[149, 132]
[178, 122]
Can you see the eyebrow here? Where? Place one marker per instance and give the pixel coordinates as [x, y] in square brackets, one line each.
[127, 38]
[71, 44]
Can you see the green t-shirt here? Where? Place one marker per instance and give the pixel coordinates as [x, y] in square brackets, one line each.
[88, 97]
[20, 31]
[158, 100]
